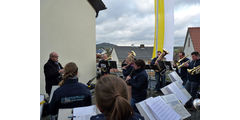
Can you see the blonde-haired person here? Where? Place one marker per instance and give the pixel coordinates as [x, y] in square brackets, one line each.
[112, 99]
[71, 93]
[126, 70]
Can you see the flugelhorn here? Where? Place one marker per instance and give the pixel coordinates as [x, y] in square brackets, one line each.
[179, 66]
[179, 61]
[132, 54]
[195, 70]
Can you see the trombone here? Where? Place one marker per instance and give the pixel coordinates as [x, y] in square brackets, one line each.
[195, 70]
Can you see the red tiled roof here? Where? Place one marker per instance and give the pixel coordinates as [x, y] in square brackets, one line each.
[195, 36]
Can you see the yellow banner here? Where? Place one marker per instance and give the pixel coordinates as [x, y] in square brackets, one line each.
[159, 27]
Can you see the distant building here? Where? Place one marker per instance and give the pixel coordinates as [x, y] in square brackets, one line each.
[120, 53]
[192, 41]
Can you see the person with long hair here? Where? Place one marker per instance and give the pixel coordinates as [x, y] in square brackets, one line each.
[71, 93]
[127, 69]
[112, 99]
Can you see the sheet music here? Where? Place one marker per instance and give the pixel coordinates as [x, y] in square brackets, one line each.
[161, 110]
[166, 90]
[175, 77]
[41, 98]
[54, 87]
[172, 100]
[85, 113]
[185, 92]
[177, 89]
[41, 106]
[144, 110]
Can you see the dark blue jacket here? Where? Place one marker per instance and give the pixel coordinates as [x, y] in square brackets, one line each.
[71, 94]
[183, 70]
[127, 71]
[139, 84]
[135, 116]
[196, 77]
[153, 60]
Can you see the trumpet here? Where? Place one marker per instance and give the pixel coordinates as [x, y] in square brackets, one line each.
[179, 66]
[178, 62]
[195, 70]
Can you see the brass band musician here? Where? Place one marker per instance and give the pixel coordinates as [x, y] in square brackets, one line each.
[193, 83]
[182, 67]
[160, 83]
[104, 65]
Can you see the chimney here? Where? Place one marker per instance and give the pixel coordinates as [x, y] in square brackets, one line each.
[142, 46]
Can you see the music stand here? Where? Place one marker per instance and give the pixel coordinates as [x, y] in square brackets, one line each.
[113, 64]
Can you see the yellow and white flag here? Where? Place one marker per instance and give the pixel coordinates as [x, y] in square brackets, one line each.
[164, 27]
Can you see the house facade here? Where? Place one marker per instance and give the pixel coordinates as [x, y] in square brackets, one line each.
[192, 41]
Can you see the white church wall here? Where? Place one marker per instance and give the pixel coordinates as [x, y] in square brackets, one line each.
[68, 28]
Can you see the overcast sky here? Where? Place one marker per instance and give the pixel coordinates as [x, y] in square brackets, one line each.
[127, 22]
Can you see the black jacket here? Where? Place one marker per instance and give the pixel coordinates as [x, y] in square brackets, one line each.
[183, 70]
[196, 77]
[52, 76]
[71, 94]
[139, 84]
[127, 71]
[135, 116]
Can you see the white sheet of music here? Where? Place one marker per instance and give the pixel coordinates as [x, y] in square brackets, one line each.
[177, 89]
[41, 106]
[144, 110]
[172, 100]
[54, 87]
[175, 77]
[161, 110]
[85, 113]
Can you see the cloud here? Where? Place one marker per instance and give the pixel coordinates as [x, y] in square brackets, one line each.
[132, 22]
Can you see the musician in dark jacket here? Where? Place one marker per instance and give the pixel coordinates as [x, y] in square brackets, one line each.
[104, 65]
[52, 71]
[182, 72]
[71, 93]
[193, 83]
[138, 81]
[159, 78]
[127, 69]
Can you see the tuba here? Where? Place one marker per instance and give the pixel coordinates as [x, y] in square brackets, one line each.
[165, 52]
[196, 103]
[195, 70]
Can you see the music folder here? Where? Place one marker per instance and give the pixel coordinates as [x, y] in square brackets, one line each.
[165, 107]
[177, 89]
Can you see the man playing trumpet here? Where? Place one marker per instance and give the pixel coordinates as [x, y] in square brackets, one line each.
[193, 83]
[182, 67]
